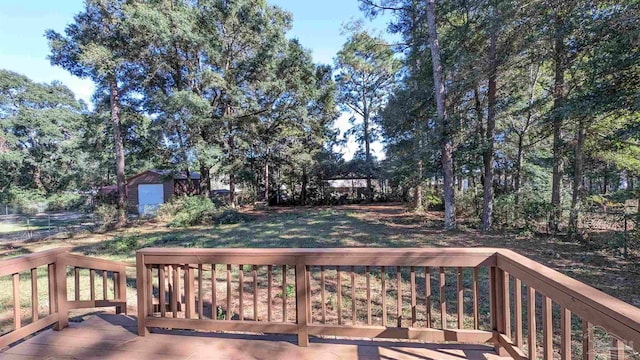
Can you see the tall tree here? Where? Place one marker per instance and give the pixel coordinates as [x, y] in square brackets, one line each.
[39, 126]
[366, 69]
[446, 155]
[95, 46]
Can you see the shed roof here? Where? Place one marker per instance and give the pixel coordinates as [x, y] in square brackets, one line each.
[176, 176]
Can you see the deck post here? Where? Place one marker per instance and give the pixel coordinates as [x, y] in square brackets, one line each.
[61, 292]
[141, 286]
[302, 294]
[122, 290]
[498, 315]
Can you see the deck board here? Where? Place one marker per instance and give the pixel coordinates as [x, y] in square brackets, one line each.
[109, 336]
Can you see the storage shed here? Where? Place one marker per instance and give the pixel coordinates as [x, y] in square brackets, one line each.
[151, 188]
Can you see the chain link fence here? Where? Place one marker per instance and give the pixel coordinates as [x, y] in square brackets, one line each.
[21, 227]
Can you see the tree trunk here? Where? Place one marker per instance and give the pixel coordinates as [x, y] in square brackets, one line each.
[419, 198]
[232, 190]
[446, 141]
[558, 98]
[303, 191]
[266, 180]
[119, 149]
[518, 174]
[577, 179]
[205, 180]
[367, 149]
[487, 198]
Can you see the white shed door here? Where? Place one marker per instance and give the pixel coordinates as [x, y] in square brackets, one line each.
[150, 196]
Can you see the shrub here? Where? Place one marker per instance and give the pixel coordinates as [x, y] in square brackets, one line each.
[66, 201]
[187, 211]
[505, 212]
[27, 201]
[123, 244]
[106, 214]
[230, 216]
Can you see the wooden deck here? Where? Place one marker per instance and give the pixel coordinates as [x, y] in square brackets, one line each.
[110, 336]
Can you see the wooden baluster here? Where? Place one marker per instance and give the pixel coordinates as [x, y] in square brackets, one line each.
[302, 294]
[492, 298]
[309, 292]
[116, 291]
[383, 277]
[214, 293]
[565, 334]
[322, 295]
[518, 313]
[531, 317]
[476, 291]
[353, 296]
[255, 292]
[339, 289]
[460, 300]
[17, 314]
[368, 280]
[121, 285]
[547, 328]
[506, 303]
[149, 290]
[200, 300]
[105, 285]
[427, 295]
[269, 280]
[399, 295]
[76, 290]
[51, 277]
[413, 296]
[34, 294]
[587, 340]
[241, 291]
[617, 349]
[141, 284]
[169, 276]
[228, 315]
[92, 284]
[162, 291]
[443, 301]
[284, 293]
[176, 290]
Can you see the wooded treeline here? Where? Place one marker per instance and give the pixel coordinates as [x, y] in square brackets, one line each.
[540, 103]
[495, 106]
[207, 86]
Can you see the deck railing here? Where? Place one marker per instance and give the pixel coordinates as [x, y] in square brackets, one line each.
[384, 293]
[56, 266]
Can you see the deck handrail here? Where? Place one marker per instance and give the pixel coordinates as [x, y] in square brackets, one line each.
[594, 307]
[165, 266]
[57, 262]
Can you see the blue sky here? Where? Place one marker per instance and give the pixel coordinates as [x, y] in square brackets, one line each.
[23, 48]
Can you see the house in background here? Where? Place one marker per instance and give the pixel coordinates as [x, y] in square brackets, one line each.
[151, 188]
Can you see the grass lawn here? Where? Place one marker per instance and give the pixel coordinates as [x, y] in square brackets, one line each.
[6, 228]
[355, 226]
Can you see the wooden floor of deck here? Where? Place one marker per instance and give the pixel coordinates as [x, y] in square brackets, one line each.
[109, 336]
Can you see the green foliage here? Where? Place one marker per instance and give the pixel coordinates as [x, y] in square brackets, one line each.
[289, 291]
[230, 216]
[186, 211]
[39, 126]
[220, 313]
[27, 201]
[67, 201]
[106, 214]
[123, 244]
